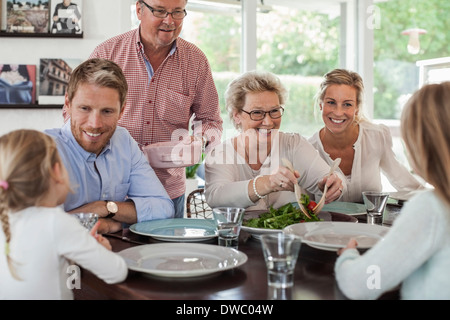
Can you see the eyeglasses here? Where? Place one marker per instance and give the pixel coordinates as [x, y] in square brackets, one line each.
[258, 115]
[161, 13]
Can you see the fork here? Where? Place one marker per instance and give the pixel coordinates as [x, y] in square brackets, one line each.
[321, 203]
[297, 190]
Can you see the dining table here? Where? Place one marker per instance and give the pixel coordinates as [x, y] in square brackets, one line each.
[314, 277]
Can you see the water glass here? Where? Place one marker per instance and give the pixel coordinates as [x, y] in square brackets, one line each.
[87, 220]
[228, 222]
[280, 253]
[375, 202]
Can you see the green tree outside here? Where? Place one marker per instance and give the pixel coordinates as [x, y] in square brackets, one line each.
[301, 46]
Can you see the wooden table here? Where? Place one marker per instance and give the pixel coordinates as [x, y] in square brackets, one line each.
[314, 276]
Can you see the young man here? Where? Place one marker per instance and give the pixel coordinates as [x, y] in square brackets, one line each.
[108, 172]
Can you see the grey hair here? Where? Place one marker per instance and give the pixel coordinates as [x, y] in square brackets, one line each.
[251, 82]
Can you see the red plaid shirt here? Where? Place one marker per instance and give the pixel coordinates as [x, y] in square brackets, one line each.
[181, 87]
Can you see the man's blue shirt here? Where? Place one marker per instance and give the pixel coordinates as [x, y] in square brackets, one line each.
[120, 172]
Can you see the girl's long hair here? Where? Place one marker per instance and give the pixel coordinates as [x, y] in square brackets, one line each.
[424, 126]
[26, 161]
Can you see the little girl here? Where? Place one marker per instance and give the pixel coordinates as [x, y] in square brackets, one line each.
[37, 236]
[416, 251]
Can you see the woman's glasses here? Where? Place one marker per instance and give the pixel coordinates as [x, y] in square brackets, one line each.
[258, 115]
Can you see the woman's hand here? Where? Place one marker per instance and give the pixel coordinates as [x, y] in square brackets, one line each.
[350, 245]
[283, 179]
[335, 187]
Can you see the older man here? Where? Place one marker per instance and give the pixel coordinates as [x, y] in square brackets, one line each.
[170, 82]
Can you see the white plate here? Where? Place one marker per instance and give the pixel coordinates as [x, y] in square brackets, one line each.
[349, 208]
[324, 215]
[331, 236]
[179, 230]
[182, 260]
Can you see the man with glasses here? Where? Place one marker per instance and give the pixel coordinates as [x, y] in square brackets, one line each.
[170, 81]
[248, 171]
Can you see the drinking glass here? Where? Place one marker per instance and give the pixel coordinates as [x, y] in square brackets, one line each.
[280, 253]
[375, 202]
[87, 220]
[228, 222]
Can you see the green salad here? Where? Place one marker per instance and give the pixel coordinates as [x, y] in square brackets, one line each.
[280, 218]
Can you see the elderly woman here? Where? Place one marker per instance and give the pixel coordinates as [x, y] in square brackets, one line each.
[247, 170]
[364, 147]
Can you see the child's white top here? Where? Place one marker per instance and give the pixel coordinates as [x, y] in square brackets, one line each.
[44, 242]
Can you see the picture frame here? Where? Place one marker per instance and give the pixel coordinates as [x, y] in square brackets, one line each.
[17, 84]
[30, 17]
[41, 18]
[66, 17]
[54, 75]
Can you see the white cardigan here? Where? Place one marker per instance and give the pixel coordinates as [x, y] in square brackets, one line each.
[373, 154]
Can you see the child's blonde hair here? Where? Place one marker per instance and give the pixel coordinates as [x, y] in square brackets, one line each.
[26, 161]
[424, 127]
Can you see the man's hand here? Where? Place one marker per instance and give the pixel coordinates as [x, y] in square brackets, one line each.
[97, 207]
[108, 226]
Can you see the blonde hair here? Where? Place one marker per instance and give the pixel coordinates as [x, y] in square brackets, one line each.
[345, 77]
[26, 161]
[251, 82]
[100, 72]
[424, 127]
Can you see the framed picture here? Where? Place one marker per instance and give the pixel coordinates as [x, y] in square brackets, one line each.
[54, 77]
[66, 17]
[3, 13]
[17, 84]
[31, 16]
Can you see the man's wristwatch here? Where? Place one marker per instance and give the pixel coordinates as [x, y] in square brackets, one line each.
[112, 208]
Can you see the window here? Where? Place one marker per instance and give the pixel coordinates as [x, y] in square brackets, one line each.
[299, 45]
[301, 40]
[218, 35]
[398, 56]
[396, 51]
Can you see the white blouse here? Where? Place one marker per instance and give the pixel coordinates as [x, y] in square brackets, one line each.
[44, 242]
[227, 174]
[373, 155]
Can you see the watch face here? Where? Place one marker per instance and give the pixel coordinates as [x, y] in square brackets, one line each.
[112, 207]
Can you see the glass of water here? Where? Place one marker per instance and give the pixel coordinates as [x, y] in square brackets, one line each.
[87, 220]
[280, 253]
[375, 202]
[228, 222]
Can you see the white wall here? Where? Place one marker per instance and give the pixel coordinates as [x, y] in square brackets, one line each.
[102, 19]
